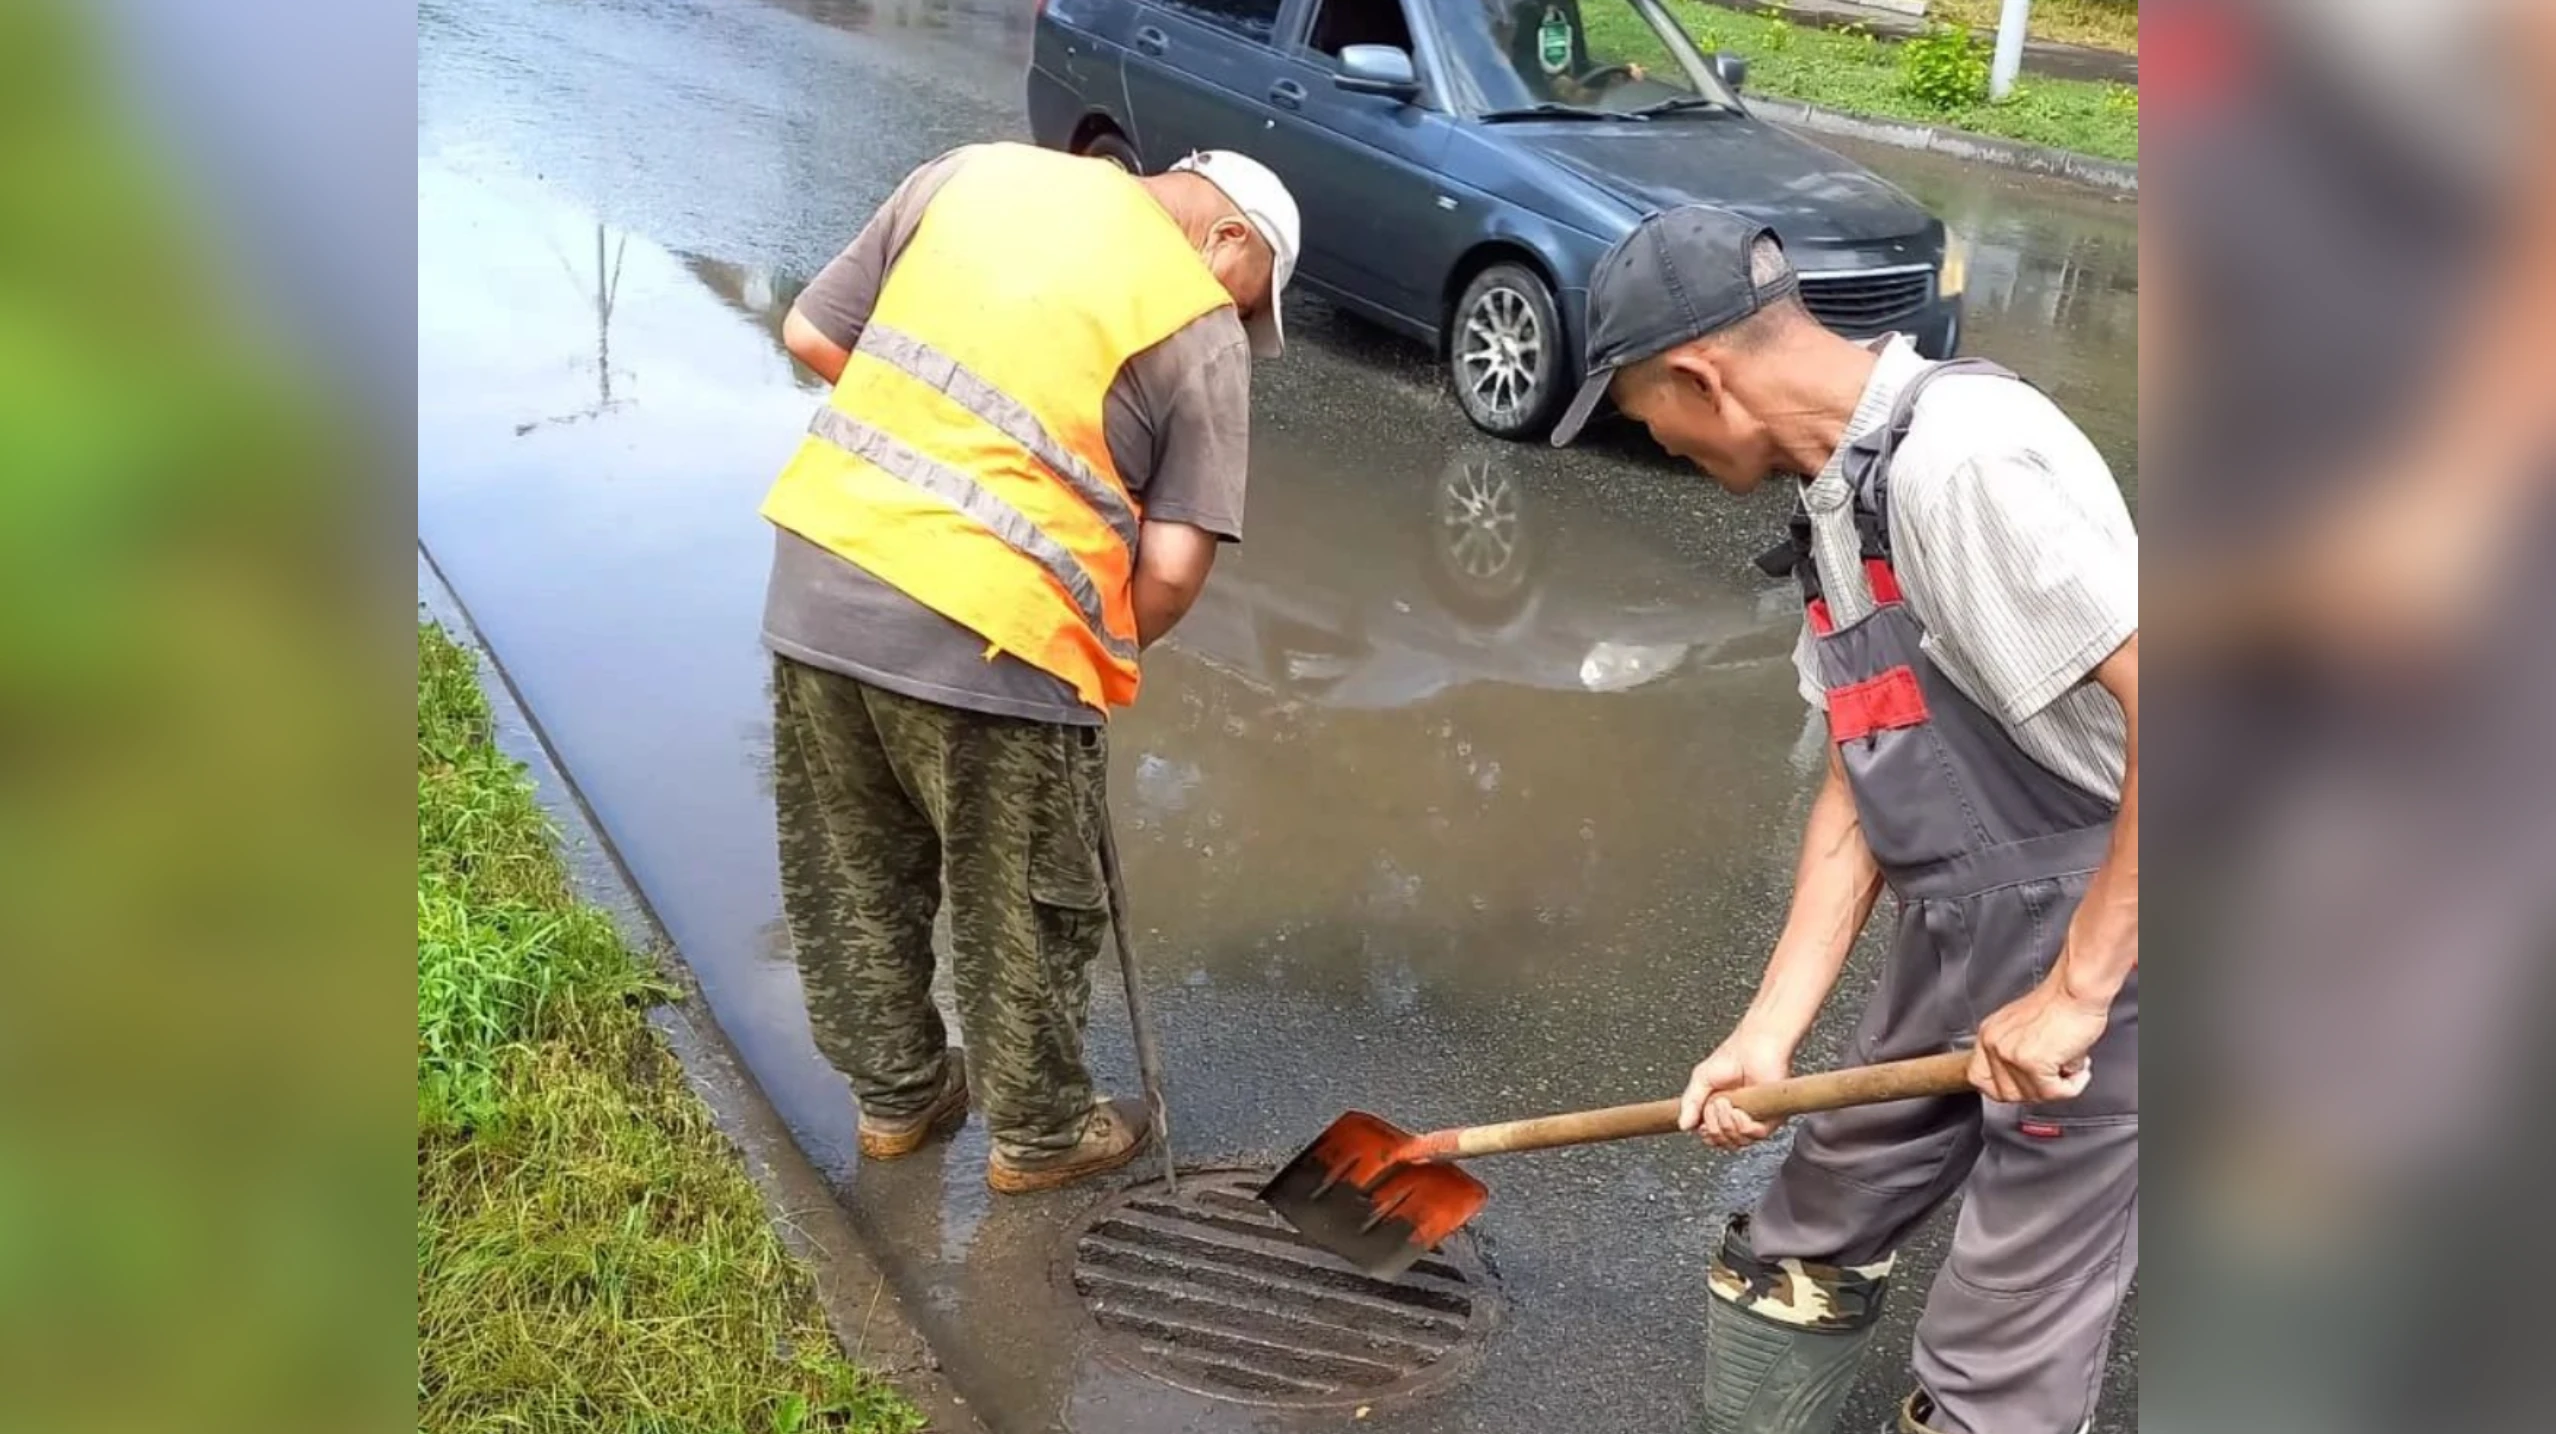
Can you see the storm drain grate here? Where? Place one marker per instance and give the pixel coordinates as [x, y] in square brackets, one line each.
[1209, 1290]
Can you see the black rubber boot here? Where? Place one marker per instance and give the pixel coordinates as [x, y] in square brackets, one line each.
[1783, 1339]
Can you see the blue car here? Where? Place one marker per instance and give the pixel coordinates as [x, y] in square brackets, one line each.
[1461, 164]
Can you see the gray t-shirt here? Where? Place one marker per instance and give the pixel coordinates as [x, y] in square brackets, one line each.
[1178, 424]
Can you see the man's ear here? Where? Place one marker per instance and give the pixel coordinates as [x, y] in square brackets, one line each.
[1693, 365]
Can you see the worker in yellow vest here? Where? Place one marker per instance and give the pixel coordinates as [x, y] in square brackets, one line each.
[1041, 371]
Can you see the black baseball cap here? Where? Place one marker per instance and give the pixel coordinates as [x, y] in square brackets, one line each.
[1679, 276]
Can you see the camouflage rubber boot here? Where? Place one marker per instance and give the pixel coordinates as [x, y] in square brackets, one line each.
[884, 1138]
[1783, 1338]
[1112, 1135]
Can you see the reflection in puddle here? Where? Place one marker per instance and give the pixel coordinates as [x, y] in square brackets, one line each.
[607, 286]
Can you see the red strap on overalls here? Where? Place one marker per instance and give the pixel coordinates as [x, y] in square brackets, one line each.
[1885, 590]
[1876, 704]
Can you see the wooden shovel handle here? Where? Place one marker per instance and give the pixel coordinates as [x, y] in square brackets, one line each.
[1944, 1074]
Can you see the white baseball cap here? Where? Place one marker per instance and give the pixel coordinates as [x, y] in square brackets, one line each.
[1266, 205]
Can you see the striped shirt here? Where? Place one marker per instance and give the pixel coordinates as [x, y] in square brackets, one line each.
[2013, 548]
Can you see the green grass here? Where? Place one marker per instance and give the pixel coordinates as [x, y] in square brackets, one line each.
[590, 1254]
[2104, 24]
[1860, 74]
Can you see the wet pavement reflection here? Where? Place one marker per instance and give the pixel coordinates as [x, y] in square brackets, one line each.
[1469, 788]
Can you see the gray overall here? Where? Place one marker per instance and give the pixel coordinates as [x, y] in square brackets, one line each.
[1988, 853]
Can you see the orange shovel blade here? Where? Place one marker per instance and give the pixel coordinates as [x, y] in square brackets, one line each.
[1357, 1193]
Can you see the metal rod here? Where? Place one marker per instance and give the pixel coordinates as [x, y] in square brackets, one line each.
[1140, 1017]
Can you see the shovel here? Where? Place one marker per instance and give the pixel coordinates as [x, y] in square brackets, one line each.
[1380, 1197]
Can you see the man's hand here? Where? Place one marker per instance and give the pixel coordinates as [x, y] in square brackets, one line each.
[2035, 1048]
[1745, 1058]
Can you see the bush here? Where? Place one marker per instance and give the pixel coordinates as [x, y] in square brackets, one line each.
[1945, 69]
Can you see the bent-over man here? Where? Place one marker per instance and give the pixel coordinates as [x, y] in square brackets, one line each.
[1035, 441]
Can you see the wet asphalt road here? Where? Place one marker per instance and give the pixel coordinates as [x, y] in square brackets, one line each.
[1469, 789]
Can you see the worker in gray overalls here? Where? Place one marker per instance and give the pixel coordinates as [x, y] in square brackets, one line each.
[1970, 583]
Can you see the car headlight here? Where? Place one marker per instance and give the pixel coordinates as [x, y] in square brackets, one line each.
[1616, 666]
[1955, 274]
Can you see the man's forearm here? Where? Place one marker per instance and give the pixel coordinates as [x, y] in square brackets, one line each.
[2103, 937]
[1172, 563]
[1835, 885]
[808, 344]
[1160, 606]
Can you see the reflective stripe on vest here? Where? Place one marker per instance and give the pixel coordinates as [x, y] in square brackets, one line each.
[1009, 417]
[971, 497]
[962, 456]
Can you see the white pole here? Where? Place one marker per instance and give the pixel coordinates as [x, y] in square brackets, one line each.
[2010, 42]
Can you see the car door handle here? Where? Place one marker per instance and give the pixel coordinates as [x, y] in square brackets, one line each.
[1287, 95]
[1152, 41]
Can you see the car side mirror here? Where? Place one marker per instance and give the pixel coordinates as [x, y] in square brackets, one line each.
[1730, 69]
[1377, 70]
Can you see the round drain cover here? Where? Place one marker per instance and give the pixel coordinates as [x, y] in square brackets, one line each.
[1211, 1291]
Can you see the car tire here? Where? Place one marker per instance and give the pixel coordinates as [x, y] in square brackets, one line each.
[1110, 145]
[1506, 359]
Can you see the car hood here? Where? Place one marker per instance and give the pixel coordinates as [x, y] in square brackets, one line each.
[1804, 192]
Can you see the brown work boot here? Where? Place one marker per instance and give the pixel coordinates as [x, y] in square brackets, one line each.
[1112, 1135]
[883, 1138]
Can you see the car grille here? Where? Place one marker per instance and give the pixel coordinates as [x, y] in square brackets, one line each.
[1860, 302]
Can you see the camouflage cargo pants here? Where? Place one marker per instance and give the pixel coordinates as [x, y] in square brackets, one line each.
[890, 806]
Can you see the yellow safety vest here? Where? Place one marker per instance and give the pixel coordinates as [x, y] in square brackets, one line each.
[961, 456]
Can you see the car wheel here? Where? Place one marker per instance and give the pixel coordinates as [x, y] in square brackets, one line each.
[1505, 354]
[1484, 546]
[1110, 145]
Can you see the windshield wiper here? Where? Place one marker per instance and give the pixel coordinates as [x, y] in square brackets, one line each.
[1550, 110]
[1681, 103]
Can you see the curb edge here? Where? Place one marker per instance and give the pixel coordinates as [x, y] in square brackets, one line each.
[2086, 169]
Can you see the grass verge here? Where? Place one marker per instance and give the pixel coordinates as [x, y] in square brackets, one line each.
[590, 1253]
[2102, 24]
[1860, 74]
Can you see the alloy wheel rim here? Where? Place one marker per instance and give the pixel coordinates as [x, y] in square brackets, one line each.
[1501, 357]
[1480, 512]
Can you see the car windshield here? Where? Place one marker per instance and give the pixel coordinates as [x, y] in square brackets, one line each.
[1616, 56]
